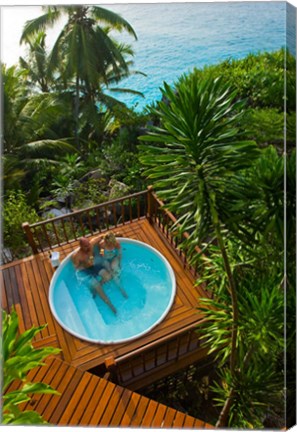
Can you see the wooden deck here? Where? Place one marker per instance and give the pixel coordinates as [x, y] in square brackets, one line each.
[88, 400]
[25, 286]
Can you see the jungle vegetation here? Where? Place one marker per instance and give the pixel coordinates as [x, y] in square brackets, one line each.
[213, 149]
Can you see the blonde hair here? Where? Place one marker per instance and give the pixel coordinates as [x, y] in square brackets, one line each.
[110, 238]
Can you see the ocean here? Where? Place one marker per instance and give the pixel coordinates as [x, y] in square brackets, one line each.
[173, 38]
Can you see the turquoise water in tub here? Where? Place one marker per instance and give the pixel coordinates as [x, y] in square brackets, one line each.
[148, 280]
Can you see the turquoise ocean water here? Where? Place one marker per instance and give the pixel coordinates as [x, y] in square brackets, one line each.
[173, 38]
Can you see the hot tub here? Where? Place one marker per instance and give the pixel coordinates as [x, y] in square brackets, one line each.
[148, 280]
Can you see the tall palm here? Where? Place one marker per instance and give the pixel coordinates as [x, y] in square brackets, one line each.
[36, 63]
[197, 154]
[83, 46]
[100, 107]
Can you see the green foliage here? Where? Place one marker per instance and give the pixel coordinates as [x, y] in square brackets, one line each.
[15, 211]
[260, 334]
[209, 178]
[198, 152]
[260, 78]
[266, 126]
[18, 357]
[257, 195]
[90, 192]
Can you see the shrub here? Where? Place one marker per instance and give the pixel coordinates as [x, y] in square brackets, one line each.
[18, 357]
[15, 211]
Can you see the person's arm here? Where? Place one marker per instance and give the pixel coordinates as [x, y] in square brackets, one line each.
[75, 260]
[119, 248]
[96, 240]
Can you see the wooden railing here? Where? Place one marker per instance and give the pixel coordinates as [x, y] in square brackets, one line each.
[164, 221]
[45, 235]
[156, 359]
[58, 231]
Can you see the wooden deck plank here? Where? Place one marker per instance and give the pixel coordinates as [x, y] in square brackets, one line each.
[116, 419]
[169, 418]
[66, 376]
[130, 410]
[159, 416]
[38, 267]
[94, 402]
[149, 413]
[31, 304]
[67, 393]
[112, 407]
[73, 402]
[76, 418]
[9, 294]
[14, 286]
[52, 378]
[179, 420]
[140, 411]
[23, 299]
[37, 375]
[189, 422]
[4, 300]
[199, 424]
[34, 280]
[102, 404]
[19, 312]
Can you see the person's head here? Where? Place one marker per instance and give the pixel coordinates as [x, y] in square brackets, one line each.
[110, 239]
[85, 244]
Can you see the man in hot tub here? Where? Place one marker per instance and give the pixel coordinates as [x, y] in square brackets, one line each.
[91, 271]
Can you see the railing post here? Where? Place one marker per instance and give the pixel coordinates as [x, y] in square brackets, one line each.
[110, 365]
[150, 203]
[30, 238]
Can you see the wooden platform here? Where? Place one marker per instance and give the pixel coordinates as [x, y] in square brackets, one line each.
[87, 400]
[25, 284]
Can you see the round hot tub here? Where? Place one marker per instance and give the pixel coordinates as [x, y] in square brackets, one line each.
[146, 277]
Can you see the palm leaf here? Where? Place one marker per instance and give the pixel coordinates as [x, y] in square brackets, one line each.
[111, 18]
[46, 20]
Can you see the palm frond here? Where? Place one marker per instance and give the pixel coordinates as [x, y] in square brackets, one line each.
[111, 18]
[35, 25]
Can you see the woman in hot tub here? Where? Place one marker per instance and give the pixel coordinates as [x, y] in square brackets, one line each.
[111, 251]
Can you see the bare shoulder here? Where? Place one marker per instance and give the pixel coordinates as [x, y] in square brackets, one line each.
[75, 258]
[96, 240]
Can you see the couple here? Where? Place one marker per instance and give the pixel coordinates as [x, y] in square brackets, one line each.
[94, 268]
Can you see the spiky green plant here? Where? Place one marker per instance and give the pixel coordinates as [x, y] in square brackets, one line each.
[194, 155]
[18, 357]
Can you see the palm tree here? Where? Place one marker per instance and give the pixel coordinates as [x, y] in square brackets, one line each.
[29, 138]
[192, 166]
[83, 47]
[36, 63]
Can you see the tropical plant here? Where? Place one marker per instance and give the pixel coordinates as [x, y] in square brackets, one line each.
[36, 63]
[15, 97]
[82, 38]
[259, 370]
[15, 211]
[18, 357]
[198, 154]
[260, 78]
[29, 138]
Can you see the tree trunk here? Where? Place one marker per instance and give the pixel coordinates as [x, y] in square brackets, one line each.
[76, 113]
[223, 418]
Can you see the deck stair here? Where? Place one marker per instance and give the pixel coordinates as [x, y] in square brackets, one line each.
[88, 400]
